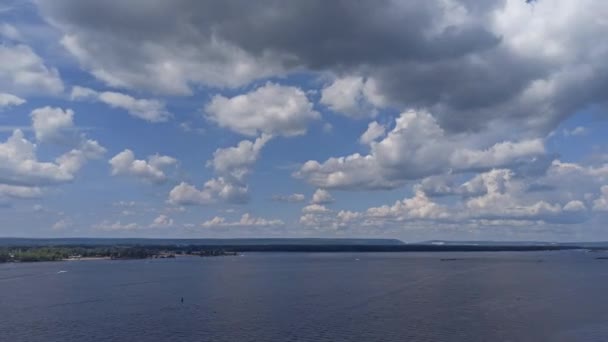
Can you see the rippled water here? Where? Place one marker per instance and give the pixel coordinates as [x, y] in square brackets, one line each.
[549, 296]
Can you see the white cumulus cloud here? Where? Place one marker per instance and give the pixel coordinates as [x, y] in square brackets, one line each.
[321, 196]
[145, 109]
[247, 220]
[22, 192]
[292, 198]
[116, 226]
[272, 109]
[53, 125]
[373, 132]
[10, 100]
[152, 169]
[162, 221]
[24, 72]
[236, 161]
[353, 96]
[415, 148]
[315, 208]
[213, 190]
[19, 164]
[601, 204]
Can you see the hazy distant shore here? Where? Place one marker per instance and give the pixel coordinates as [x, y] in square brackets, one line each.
[86, 259]
[90, 252]
[81, 249]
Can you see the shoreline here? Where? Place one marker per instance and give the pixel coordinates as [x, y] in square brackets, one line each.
[98, 258]
[138, 252]
[85, 259]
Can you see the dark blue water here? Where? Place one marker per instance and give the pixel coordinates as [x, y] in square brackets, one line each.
[548, 296]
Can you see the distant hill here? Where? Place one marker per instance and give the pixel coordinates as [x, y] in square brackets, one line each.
[306, 245]
[582, 244]
[206, 242]
[487, 243]
[300, 245]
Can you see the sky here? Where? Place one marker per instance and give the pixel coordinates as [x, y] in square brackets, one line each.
[417, 120]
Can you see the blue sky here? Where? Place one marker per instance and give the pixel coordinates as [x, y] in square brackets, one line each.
[415, 119]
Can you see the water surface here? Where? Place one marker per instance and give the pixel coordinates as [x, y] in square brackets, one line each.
[505, 296]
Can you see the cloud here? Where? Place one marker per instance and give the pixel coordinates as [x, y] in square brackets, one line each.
[475, 66]
[23, 176]
[272, 109]
[569, 181]
[124, 163]
[138, 55]
[247, 220]
[73, 160]
[501, 195]
[315, 220]
[438, 185]
[419, 207]
[235, 162]
[162, 221]
[9, 31]
[227, 190]
[10, 100]
[498, 197]
[21, 192]
[24, 72]
[315, 208]
[213, 190]
[54, 125]
[293, 198]
[214, 222]
[321, 196]
[116, 226]
[502, 198]
[415, 148]
[208, 43]
[82, 93]
[20, 166]
[320, 218]
[479, 96]
[351, 172]
[232, 165]
[601, 204]
[166, 67]
[373, 132]
[62, 224]
[353, 96]
[345, 217]
[125, 204]
[186, 194]
[149, 110]
[577, 131]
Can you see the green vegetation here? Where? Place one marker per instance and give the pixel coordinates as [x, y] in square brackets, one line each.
[56, 253]
[4, 256]
[35, 254]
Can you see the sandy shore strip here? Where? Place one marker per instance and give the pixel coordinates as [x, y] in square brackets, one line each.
[87, 259]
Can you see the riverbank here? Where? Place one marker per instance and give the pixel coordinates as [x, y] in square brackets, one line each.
[86, 259]
[86, 253]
